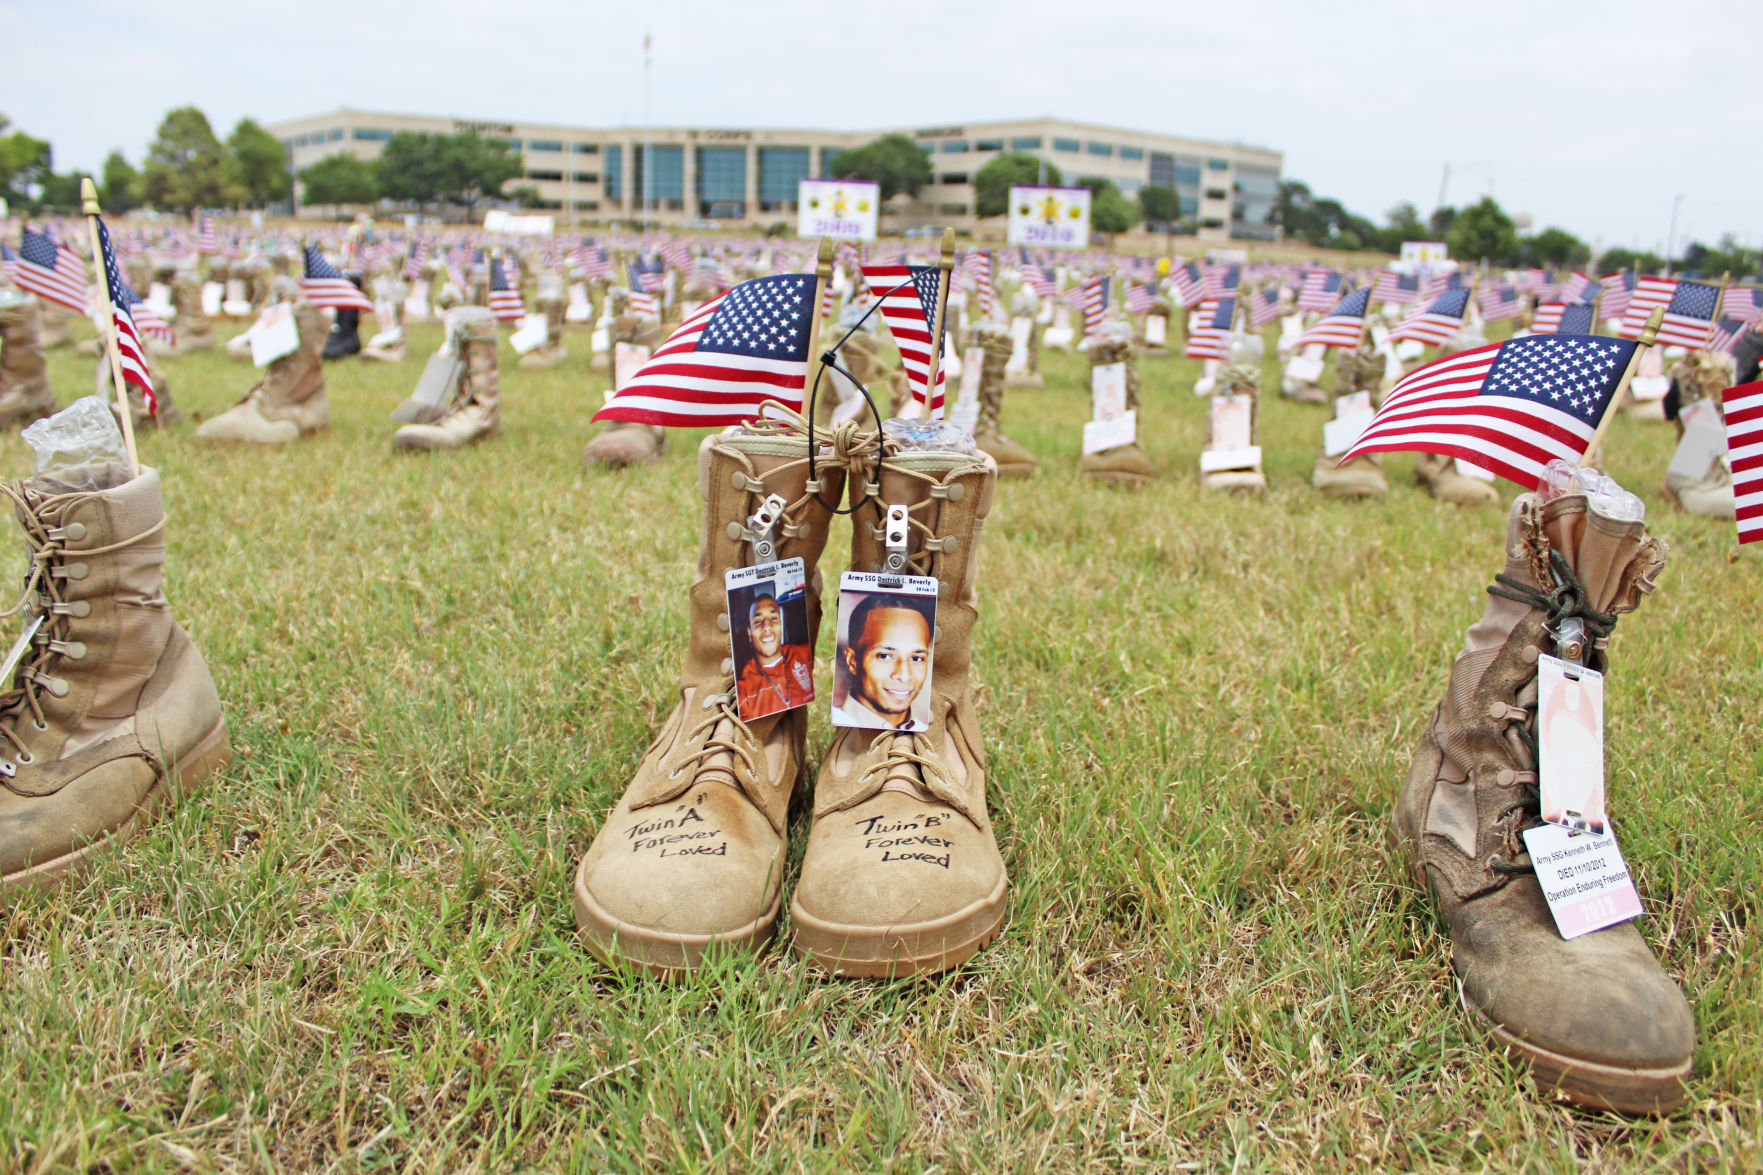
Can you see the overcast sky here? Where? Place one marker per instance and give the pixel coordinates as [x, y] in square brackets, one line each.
[1592, 122]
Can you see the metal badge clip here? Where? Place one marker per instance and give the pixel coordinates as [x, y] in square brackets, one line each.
[894, 535]
[762, 526]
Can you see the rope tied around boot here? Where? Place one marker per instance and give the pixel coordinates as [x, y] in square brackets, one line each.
[1568, 599]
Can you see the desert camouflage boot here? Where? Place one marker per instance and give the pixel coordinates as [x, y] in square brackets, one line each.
[902, 873]
[111, 713]
[1595, 1017]
[24, 372]
[1013, 458]
[289, 402]
[693, 854]
[475, 411]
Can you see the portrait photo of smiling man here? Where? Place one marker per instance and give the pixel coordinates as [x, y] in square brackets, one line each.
[882, 665]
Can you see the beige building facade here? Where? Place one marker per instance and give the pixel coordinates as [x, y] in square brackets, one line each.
[732, 177]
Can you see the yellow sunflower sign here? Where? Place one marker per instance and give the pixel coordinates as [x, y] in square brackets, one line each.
[1050, 218]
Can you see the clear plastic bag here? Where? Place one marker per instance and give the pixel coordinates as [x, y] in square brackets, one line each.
[928, 436]
[1602, 493]
[80, 447]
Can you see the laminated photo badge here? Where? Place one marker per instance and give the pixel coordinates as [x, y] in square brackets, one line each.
[768, 633]
[882, 661]
[1570, 729]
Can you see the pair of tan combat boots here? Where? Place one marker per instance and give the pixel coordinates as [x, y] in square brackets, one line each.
[902, 873]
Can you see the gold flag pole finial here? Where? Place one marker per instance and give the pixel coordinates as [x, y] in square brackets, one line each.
[90, 210]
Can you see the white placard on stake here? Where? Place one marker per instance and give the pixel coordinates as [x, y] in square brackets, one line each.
[1049, 218]
[1111, 434]
[533, 333]
[846, 210]
[274, 335]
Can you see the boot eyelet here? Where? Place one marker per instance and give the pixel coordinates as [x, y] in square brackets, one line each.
[26, 757]
[41, 726]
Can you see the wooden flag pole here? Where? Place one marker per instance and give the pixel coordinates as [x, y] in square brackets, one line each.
[89, 209]
[823, 272]
[1648, 336]
[946, 263]
[1719, 298]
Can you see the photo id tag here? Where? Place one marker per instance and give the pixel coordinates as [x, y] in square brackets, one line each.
[769, 638]
[1583, 877]
[1704, 440]
[274, 335]
[1108, 391]
[1232, 419]
[627, 358]
[1570, 744]
[16, 653]
[1156, 330]
[1020, 330]
[887, 625]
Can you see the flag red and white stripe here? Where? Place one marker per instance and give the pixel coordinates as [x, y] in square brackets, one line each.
[1343, 326]
[131, 352]
[1205, 336]
[1744, 449]
[52, 271]
[322, 285]
[1649, 292]
[908, 295]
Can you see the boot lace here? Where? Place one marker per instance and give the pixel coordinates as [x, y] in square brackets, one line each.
[913, 761]
[47, 590]
[702, 743]
[1566, 600]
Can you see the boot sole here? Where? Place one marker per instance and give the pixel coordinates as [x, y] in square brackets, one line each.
[1586, 1084]
[1016, 470]
[661, 952]
[893, 952]
[1129, 480]
[213, 752]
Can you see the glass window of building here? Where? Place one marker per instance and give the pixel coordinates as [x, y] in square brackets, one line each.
[369, 135]
[335, 136]
[1163, 169]
[614, 172]
[587, 177]
[1099, 148]
[781, 169]
[1218, 164]
[1187, 175]
[544, 145]
[1189, 204]
[1216, 194]
[1132, 152]
[722, 182]
[587, 148]
[551, 176]
[666, 180]
[989, 145]
[953, 146]
[953, 177]
[1026, 143]
[1070, 145]
[511, 144]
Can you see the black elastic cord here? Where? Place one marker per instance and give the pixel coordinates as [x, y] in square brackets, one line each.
[827, 359]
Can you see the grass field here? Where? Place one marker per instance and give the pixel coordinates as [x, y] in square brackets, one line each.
[354, 950]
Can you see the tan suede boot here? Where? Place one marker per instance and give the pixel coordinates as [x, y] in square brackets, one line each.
[1238, 379]
[693, 854]
[552, 306]
[55, 327]
[168, 412]
[24, 372]
[1012, 457]
[1124, 464]
[620, 443]
[289, 402]
[476, 409]
[194, 331]
[112, 712]
[1438, 474]
[1595, 1016]
[1363, 476]
[902, 875]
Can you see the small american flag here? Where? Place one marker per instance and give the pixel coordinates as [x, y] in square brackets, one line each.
[908, 297]
[1188, 283]
[53, 272]
[1402, 289]
[1208, 326]
[1343, 325]
[679, 255]
[641, 303]
[735, 352]
[1442, 318]
[1510, 407]
[1558, 318]
[1689, 315]
[207, 240]
[505, 301]
[1744, 449]
[1575, 288]
[1139, 299]
[592, 259]
[1222, 279]
[649, 276]
[1320, 290]
[1263, 307]
[1037, 277]
[1744, 303]
[1649, 292]
[413, 259]
[322, 285]
[979, 267]
[1498, 302]
[1096, 292]
[1727, 332]
[131, 352]
[1618, 289]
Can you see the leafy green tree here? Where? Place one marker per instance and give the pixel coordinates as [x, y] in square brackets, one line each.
[1483, 232]
[1617, 258]
[1556, 247]
[1404, 225]
[1160, 204]
[894, 161]
[1438, 225]
[120, 188]
[186, 165]
[258, 164]
[339, 179]
[421, 168]
[1110, 211]
[1729, 256]
[25, 163]
[992, 183]
[526, 195]
[61, 193]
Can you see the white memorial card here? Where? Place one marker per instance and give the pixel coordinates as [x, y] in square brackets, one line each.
[1304, 369]
[1108, 391]
[274, 335]
[534, 332]
[213, 293]
[1233, 420]
[1112, 433]
[1704, 440]
[1156, 330]
[1583, 878]
[627, 358]
[1021, 328]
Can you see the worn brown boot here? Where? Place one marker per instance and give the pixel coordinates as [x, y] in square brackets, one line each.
[552, 305]
[620, 442]
[693, 854]
[1438, 475]
[194, 331]
[24, 372]
[1012, 457]
[902, 875]
[1124, 464]
[476, 409]
[289, 402]
[167, 413]
[112, 713]
[1595, 1017]
[1363, 476]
